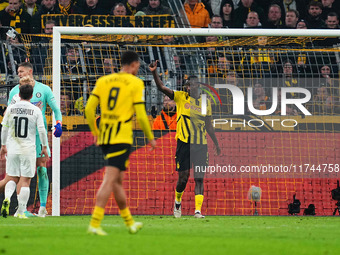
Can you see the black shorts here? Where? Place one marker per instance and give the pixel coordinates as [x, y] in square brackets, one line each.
[117, 155]
[188, 155]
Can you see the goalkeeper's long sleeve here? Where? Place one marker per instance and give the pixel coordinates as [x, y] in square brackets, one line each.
[143, 121]
[90, 113]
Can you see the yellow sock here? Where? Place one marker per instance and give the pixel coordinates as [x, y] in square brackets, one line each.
[198, 202]
[127, 217]
[97, 216]
[178, 196]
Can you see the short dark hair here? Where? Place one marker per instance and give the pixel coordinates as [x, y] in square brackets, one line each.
[216, 16]
[26, 91]
[129, 57]
[333, 14]
[26, 64]
[297, 14]
[314, 3]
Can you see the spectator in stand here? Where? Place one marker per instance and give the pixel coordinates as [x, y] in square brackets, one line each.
[261, 60]
[223, 66]
[132, 7]
[119, 10]
[227, 13]
[14, 16]
[328, 7]
[289, 78]
[67, 7]
[244, 7]
[66, 106]
[292, 17]
[324, 102]
[3, 4]
[314, 15]
[287, 75]
[218, 64]
[325, 72]
[274, 17]
[216, 22]
[48, 30]
[155, 8]
[31, 7]
[332, 21]
[252, 21]
[167, 120]
[197, 15]
[47, 7]
[72, 63]
[91, 7]
[260, 99]
[109, 66]
[327, 79]
[298, 5]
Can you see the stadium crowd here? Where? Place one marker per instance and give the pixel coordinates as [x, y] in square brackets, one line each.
[256, 63]
[25, 15]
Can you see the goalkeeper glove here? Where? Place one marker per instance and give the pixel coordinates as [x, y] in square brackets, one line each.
[58, 129]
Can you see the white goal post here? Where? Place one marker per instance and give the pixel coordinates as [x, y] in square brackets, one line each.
[58, 31]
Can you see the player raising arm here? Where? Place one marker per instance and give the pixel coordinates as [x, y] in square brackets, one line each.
[42, 95]
[18, 138]
[119, 95]
[192, 148]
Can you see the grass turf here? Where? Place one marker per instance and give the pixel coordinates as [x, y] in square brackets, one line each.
[167, 235]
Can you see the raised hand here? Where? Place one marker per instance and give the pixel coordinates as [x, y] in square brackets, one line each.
[153, 65]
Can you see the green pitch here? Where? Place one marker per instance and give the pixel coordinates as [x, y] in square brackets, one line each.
[226, 235]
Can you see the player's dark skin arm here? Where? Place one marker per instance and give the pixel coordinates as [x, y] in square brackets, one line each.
[210, 130]
[159, 83]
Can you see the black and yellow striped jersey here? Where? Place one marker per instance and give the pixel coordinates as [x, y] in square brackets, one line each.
[190, 120]
[117, 95]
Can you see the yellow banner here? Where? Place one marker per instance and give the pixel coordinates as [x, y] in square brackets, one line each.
[79, 20]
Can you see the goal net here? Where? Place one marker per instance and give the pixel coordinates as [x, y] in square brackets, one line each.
[275, 108]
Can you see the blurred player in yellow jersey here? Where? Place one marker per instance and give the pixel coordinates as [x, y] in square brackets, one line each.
[120, 96]
[192, 127]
